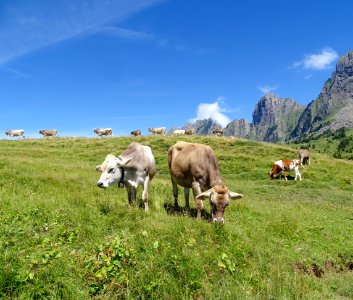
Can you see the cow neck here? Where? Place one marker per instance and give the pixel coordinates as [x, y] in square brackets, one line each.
[216, 180]
[122, 178]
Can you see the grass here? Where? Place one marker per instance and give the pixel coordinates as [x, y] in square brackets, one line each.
[61, 237]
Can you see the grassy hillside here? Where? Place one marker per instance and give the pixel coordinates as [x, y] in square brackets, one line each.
[63, 237]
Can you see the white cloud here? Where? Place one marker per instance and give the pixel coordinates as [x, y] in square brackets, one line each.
[27, 26]
[265, 89]
[317, 61]
[212, 111]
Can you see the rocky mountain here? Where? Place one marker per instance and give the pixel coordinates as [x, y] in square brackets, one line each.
[279, 119]
[239, 128]
[275, 118]
[333, 109]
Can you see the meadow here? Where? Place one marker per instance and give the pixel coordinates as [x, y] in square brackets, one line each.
[62, 237]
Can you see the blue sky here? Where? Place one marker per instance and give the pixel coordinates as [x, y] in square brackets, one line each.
[133, 64]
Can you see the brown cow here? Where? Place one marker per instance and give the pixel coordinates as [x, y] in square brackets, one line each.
[195, 166]
[51, 132]
[304, 157]
[136, 132]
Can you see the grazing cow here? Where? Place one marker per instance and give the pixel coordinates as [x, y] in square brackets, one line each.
[103, 131]
[281, 166]
[179, 132]
[195, 166]
[135, 166]
[218, 131]
[17, 133]
[304, 157]
[51, 132]
[190, 131]
[136, 132]
[159, 130]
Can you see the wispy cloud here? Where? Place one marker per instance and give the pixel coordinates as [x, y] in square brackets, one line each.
[214, 111]
[265, 89]
[317, 61]
[27, 26]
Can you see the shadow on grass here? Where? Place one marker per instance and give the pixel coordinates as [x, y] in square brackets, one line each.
[289, 177]
[171, 209]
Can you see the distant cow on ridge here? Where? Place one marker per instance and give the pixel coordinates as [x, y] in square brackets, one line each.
[218, 131]
[136, 132]
[195, 166]
[51, 132]
[103, 131]
[157, 130]
[17, 133]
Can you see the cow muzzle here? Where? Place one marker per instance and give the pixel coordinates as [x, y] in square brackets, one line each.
[218, 220]
[100, 184]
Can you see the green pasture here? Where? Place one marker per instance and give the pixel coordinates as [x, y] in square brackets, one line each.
[62, 237]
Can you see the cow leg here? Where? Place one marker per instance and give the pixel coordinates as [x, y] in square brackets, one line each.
[297, 174]
[145, 192]
[131, 193]
[175, 193]
[187, 194]
[196, 189]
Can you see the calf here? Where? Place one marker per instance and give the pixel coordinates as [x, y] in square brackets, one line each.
[135, 166]
[281, 166]
[195, 166]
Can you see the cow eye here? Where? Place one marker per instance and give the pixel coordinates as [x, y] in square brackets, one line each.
[110, 170]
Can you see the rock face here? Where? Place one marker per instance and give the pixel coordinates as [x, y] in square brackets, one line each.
[239, 128]
[333, 109]
[274, 118]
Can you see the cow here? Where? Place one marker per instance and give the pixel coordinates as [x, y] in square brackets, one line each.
[135, 166]
[136, 132]
[190, 131]
[51, 132]
[281, 166]
[218, 131]
[103, 131]
[179, 132]
[157, 130]
[195, 166]
[17, 133]
[304, 157]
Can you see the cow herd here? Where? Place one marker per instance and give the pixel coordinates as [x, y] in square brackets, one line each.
[191, 165]
[109, 132]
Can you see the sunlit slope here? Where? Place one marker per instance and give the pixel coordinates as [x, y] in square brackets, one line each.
[61, 236]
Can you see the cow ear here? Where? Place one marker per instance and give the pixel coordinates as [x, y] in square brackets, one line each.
[122, 162]
[99, 168]
[204, 195]
[234, 195]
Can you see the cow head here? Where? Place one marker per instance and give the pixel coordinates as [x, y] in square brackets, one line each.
[219, 197]
[112, 170]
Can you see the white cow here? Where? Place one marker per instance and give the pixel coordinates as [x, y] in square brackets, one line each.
[103, 131]
[157, 130]
[179, 132]
[135, 166]
[17, 132]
